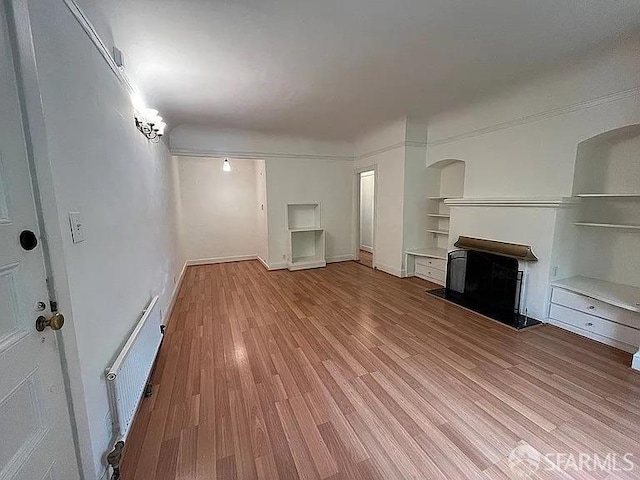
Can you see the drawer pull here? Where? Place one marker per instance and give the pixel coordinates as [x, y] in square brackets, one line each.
[591, 307]
[589, 324]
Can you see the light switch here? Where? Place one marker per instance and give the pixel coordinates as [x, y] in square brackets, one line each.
[77, 231]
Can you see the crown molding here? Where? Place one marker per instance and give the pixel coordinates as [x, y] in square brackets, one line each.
[92, 33]
[254, 155]
[528, 202]
[555, 112]
[389, 148]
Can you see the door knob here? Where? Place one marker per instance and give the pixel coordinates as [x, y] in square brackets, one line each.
[55, 322]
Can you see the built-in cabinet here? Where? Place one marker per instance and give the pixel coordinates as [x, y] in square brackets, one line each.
[306, 236]
[599, 247]
[429, 261]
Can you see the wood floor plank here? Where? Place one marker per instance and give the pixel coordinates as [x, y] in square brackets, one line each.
[347, 373]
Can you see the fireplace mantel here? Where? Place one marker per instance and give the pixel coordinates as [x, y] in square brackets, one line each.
[512, 250]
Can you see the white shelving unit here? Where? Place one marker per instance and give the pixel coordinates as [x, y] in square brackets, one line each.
[429, 261]
[597, 293]
[306, 235]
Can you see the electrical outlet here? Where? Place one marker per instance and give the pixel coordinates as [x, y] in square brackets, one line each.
[77, 230]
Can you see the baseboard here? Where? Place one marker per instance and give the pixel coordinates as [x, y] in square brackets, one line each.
[341, 258]
[635, 364]
[396, 272]
[210, 261]
[366, 249]
[174, 296]
[272, 266]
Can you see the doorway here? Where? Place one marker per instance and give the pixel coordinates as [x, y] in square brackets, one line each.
[366, 209]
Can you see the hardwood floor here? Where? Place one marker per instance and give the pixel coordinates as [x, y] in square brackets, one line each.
[349, 373]
[366, 258]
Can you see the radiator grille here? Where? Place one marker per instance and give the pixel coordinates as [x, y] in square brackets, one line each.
[128, 376]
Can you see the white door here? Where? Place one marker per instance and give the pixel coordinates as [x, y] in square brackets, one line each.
[367, 180]
[35, 431]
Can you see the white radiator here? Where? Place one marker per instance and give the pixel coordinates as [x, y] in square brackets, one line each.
[127, 378]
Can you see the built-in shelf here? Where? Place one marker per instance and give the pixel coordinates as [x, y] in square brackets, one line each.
[619, 295]
[607, 195]
[439, 232]
[439, 215]
[431, 252]
[306, 236]
[607, 225]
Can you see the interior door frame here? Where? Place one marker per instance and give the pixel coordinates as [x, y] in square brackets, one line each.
[358, 171]
[36, 143]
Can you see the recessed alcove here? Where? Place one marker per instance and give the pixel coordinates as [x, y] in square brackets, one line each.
[607, 218]
[596, 287]
[445, 180]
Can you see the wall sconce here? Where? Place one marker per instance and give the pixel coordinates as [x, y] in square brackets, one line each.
[150, 124]
[226, 166]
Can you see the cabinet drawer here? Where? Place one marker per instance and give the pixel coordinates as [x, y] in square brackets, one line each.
[594, 324]
[430, 274]
[437, 263]
[595, 307]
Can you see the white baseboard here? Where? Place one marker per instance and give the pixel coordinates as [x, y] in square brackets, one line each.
[635, 364]
[396, 272]
[341, 258]
[272, 266]
[366, 249]
[210, 261]
[174, 296]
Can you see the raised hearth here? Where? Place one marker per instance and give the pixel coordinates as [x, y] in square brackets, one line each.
[484, 276]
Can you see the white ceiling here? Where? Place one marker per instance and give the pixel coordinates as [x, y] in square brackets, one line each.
[335, 68]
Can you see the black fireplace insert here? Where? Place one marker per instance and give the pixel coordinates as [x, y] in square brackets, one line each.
[486, 283]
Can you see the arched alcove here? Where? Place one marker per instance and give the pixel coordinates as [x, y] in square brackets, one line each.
[445, 179]
[609, 164]
[601, 236]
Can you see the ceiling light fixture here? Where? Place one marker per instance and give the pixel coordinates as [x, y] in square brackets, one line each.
[150, 124]
[226, 166]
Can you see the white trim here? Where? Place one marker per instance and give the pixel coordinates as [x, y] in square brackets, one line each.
[389, 148]
[396, 272]
[174, 296]
[341, 258]
[555, 112]
[273, 266]
[91, 32]
[635, 364]
[211, 261]
[203, 152]
[535, 202]
[366, 248]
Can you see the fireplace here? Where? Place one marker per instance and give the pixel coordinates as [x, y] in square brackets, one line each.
[485, 276]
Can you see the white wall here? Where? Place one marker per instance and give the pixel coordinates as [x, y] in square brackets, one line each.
[300, 180]
[367, 183]
[218, 210]
[198, 140]
[523, 143]
[384, 149]
[101, 166]
[294, 170]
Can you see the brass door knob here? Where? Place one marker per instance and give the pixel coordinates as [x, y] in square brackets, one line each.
[55, 322]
